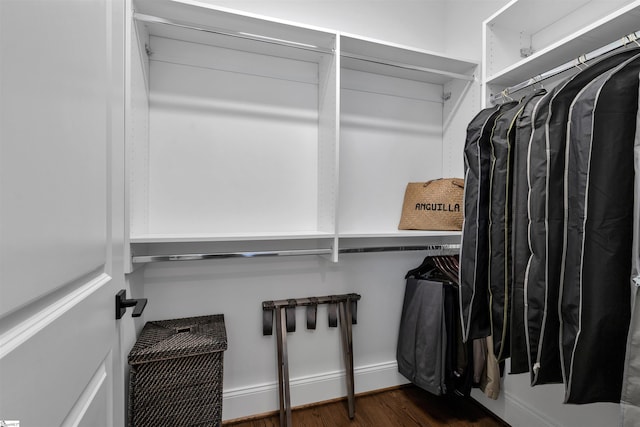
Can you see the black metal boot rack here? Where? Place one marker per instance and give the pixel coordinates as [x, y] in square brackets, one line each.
[345, 305]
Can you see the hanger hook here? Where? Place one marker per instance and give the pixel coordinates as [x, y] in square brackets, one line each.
[537, 80]
[505, 95]
[581, 60]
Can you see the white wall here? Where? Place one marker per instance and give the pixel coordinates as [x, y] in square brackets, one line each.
[463, 39]
[463, 25]
[237, 287]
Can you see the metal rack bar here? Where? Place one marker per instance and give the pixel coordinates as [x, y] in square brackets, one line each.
[347, 354]
[297, 302]
[577, 62]
[347, 318]
[142, 259]
[454, 248]
[283, 369]
[441, 249]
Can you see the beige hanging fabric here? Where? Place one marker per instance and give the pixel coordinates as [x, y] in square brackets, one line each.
[433, 205]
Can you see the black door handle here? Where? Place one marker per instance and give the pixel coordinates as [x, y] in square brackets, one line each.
[122, 303]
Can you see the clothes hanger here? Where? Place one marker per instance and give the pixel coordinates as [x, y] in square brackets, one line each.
[444, 263]
[581, 61]
[454, 272]
[454, 268]
[441, 264]
[455, 261]
[426, 266]
[505, 95]
[429, 270]
[631, 38]
[438, 261]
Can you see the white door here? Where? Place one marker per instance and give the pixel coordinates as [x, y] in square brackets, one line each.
[61, 211]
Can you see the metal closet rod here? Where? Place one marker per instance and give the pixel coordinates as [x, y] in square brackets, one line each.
[444, 249]
[577, 63]
[281, 42]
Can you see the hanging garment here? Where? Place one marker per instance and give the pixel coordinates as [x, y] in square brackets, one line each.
[595, 306]
[519, 231]
[486, 367]
[430, 352]
[500, 192]
[422, 337]
[630, 398]
[458, 375]
[474, 253]
[500, 226]
[546, 218]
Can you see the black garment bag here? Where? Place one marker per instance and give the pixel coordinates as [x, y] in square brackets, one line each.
[630, 396]
[474, 254]
[596, 299]
[546, 208]
[519, 231]
[501, 178]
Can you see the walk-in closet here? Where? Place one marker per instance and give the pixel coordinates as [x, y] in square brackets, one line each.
[233, 173]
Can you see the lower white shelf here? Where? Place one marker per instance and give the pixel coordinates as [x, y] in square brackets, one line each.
[230, 237]
[191, 247]
[397, 233]
[276, 236]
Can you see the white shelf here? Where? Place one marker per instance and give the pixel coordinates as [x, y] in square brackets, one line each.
[193, 238]
[558, 33]
[394, 60]
[256, 124]
[399, 233]
[244, 31]
[532, 16]
[239, 107]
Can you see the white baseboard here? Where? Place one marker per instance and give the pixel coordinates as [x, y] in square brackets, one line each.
[527, 414]
[260, 398]
[513, 410]
[514, 406]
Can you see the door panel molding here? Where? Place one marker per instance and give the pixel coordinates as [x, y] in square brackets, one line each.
[88, 396]
[17, 335]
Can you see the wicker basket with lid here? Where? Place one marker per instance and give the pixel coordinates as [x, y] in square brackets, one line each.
[176, 372]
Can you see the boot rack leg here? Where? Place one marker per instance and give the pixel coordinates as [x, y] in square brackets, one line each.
[283, 369]
[347, 353]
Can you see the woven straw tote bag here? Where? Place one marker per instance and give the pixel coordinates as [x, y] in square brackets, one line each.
[433, 205]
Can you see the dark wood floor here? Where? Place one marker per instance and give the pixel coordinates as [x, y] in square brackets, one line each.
[405, 406]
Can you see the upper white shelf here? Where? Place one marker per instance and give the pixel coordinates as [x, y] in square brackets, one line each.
[573, 29]
[199, 22]
[375, 56]
[532, 16]
[177, 19]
